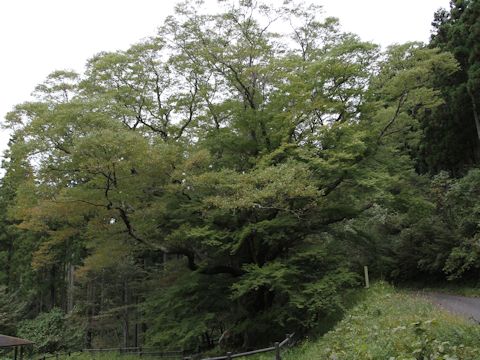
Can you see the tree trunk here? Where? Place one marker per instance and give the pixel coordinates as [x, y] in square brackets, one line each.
[138, 329]
[89, 335]
[52, 287]
[102, 292]
[476, 116]
[8, 268]
[125, 314]
[71, 280]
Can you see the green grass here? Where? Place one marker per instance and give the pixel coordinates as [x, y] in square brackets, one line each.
[454, 289]
[387, 325]
[393, 325]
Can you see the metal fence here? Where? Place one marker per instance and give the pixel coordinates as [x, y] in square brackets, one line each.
[276, 349]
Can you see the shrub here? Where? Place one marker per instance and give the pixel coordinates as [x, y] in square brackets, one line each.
[52, 332]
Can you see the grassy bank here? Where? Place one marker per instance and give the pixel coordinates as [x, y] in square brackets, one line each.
[393, 325]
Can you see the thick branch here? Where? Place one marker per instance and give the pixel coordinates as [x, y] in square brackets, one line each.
[332, 186]
[222, 269]
[189, 254]
[401, 101]
[349, 216]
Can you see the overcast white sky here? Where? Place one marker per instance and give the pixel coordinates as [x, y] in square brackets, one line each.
[37, 37]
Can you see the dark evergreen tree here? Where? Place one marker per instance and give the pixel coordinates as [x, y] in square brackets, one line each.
[451, 132]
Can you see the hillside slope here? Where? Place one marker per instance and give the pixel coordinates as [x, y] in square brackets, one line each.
[394, 325]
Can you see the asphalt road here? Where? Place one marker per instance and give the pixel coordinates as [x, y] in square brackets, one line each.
[460, 305]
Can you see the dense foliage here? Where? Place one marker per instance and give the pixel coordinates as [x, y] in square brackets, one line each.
[451, 139]
[229, 179]
[52, 332]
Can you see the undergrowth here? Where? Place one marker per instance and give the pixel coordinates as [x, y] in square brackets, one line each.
[388, 325]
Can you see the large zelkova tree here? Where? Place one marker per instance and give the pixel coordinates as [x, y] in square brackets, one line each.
[228, 174]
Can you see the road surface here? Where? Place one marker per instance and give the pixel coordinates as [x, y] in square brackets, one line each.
[459, 305]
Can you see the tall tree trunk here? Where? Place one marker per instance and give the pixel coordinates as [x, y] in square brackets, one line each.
[40, 299]
[476, 116]
[125, 314]
[137, 324]
[64, 287]
[102, 291]
[89, 335]
[8, 268]
[70, 290]
[53, 274]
